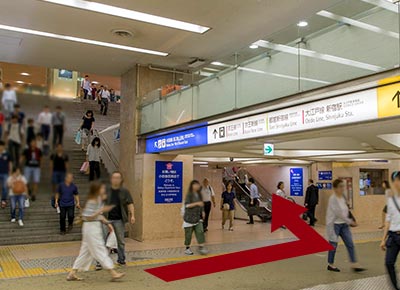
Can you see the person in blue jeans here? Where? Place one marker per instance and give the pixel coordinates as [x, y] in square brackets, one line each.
[32, 157]
[5, 170]
[338, 224]
[17, 199]
[58, 166]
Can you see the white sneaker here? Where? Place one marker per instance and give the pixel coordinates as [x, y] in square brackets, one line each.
[203, 251]
[188, 252]
[20, 222]
[13, 220]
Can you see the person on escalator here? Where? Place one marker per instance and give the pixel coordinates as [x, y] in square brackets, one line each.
[254, 196]
[281, 189]
[228, 205]
[242, 178]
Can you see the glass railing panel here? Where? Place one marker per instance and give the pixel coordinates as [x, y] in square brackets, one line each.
[150, 117]
[177, 108]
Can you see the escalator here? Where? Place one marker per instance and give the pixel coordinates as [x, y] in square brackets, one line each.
[243, 200]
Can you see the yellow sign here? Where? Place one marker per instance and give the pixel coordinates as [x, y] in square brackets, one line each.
[389, 97]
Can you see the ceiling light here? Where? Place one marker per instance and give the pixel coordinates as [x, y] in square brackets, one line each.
[81, 40]
[19, 82]
[217, 63]
[302, 23]
[385, 4]
[130, 14]
[318, 55]
[253, 46]
[95, 82]
[24, 74]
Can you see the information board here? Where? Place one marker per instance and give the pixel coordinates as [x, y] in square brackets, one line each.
[168, 181]
[296, 181]
[324, 175]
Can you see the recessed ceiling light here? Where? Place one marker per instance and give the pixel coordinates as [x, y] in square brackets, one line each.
[253, 46]
[131, 14]
[81, 40]
[302, 23]
[25, 74]
[19, 82]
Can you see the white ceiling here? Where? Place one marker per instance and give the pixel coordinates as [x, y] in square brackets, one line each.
[305, 145]
[235, 24]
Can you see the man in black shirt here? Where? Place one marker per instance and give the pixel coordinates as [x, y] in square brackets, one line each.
[311, 201]
[58, 166]
[122, 213]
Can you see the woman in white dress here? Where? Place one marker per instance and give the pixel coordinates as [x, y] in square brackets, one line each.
[93, 246]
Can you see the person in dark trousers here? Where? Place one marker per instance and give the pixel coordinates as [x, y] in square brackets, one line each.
[93, 157]
[32, 157]
[58, 166]
[254, 196]
[19, 114]
[311, 200]
[58, 122]
[208, 198]
[14, 137]
[67, 198]
[122, 213]
[391, 234]
[30, 131]
[5, 172]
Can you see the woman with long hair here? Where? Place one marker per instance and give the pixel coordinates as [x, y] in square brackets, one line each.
[228, 205]
[93, 157]
[388, 194]
[86, 128]
[93, 246]
[193, 209]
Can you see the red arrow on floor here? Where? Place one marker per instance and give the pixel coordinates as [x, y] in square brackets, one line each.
[285, 213]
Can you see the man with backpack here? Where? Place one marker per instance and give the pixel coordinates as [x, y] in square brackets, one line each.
[32, 157]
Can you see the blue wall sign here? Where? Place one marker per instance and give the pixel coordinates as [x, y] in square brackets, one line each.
[178, 140]
[168, 182]
[324, 175]
[324, 185]
[296, 181]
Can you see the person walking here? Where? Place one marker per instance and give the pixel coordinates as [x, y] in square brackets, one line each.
[281, 189]
[388, 194]
[254, 196]
[44, 120]
[14, 137]
[58, 122]
[338, 222]
[208, 197]
[193, 207]
[58, 166]
[228, 205]
[121, 214]
[391, 237]
[67, 198]
[87, 127]
[86, 86]
[93, 246]
[5, 172]
[311, 201]
[21, 115]
[105, 99]
[32, 157]
[93, 157]
[30, 131]
[18, 191]
[8, 100]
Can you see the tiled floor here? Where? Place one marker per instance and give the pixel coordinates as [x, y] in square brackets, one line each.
[372, 283]
[42, 259]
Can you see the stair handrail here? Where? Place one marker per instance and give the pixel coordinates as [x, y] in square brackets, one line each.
[107, 150]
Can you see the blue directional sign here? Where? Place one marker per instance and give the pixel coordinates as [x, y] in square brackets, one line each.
[296, 181]
[177, 140]
[324, 175]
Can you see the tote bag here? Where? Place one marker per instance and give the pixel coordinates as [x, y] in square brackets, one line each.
[78, 137]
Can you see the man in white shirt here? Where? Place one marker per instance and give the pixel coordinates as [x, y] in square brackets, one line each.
[105, 99]
[44, 121]
[8, 100]
[254, 196]
[208, 196]
[86, 86]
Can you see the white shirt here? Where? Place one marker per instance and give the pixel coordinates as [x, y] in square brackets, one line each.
[337, 213]
[45, 118]
[281, 193]
[393, 215]
[15, 131]
[206, 193]
[105, 94]
[86, 85]
[9, 96]
[254, 191]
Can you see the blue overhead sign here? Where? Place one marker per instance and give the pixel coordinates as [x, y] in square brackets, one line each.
[168, 182]
[324, 175]
[177, 140]
[296, 181]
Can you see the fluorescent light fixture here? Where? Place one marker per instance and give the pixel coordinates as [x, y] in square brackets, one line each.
[385, 4]
[210, 69]
[393, 139]
[95, 82]
[200, 162]
[302, 23]
[24, 74]
[218, 63]
[80, 40]
[358, 24]
[283, 76]
[19, 82]
[306, 153]
[318, 55]
[130, 14]
[253, 46]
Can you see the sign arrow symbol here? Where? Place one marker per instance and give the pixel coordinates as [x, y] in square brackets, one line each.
[269, 149]
[397, 96]
[285, 213]
[215, 133]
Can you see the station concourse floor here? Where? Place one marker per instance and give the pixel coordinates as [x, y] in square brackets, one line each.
[44, 266]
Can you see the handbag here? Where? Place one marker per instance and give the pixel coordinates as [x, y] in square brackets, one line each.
[78, 137]
[27, 203]
[350, 215]
[84, 167]
[226, 206]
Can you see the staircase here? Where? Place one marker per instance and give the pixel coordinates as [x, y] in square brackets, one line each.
[41, 220]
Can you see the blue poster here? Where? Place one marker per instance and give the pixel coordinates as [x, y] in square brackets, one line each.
[168, 185]
[296, 181]
[324, 185]
[324, 175]
[178, 140]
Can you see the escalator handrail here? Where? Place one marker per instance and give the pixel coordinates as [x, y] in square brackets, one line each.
[246, 193]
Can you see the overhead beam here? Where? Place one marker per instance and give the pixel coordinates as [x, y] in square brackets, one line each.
[384, 4]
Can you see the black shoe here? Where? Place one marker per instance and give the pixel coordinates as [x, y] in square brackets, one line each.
[205, 230]
[33, 197]
[98, 267]
[70, 227]
[359, 269]
[62, 233]
[333, 269]
[121, 264]
[250, 223]
[311, 225]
